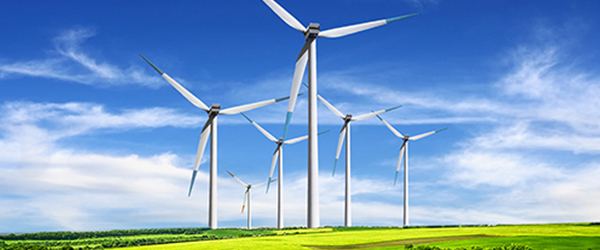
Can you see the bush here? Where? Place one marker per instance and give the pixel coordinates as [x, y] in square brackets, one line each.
[505, 247]
[513, 246]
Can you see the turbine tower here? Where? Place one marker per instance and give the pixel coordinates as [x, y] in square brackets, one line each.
[345, 132]
[278, 158]
[209, 129]
[308, 53]
[404, 154]
[247, 196]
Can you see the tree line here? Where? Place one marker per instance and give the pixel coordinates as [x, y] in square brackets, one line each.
[66, 235]
[68, 241]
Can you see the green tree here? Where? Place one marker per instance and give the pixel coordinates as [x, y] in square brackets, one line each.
[67, 247]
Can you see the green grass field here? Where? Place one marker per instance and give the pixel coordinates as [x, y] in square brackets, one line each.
[548, 236]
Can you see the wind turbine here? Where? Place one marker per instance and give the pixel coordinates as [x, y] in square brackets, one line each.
[247, 195]
[278, 155]
[345, 132]
[308, 53]
[210, 128]
[404, 154]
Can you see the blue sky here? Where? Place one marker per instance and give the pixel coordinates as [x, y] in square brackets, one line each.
[91, 138]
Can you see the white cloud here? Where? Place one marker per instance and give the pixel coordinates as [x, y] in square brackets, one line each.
[58, 188]
[69, 62]
[67, 189]
[528, 167]
[542, 104]
[70, 119]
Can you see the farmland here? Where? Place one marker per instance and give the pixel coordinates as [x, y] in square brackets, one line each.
[547, 236]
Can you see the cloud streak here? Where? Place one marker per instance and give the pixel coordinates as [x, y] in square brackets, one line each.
[68, 62]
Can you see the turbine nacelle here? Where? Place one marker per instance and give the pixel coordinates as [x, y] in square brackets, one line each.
[312, 31]
[214, 109]
[348, 117]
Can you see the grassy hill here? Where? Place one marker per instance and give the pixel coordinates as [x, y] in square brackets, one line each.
[545, 236]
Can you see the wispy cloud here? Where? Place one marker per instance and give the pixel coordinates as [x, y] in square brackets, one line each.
[531, 161]
[68, 61]
[71, 119]
[71, 189]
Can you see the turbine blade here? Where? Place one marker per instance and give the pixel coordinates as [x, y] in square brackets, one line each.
[269, 181]
[285, 16]
[302, 138]
[261, 129]
[323, 132]
[334, 165]
[414, 138]
[390, 127]
[401, 156]
[339, 146]
[245, 198]
[298, 75]
[237, 179]
[396, 178]
[351, 29]
[276, 156]
[189, 96]
[331, 107]
[297, 139]
[201, 146]
[194, 172]
[264, 183]
[251, 106]
[373, 113]
[274, 161]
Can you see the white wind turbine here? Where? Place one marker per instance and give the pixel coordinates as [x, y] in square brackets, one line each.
[308, 53]
[404, 154]
[247, 196]
[345, 132]
[277, 159]
[210, 128]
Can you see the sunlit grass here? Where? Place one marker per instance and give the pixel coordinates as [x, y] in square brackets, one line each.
[549, 236]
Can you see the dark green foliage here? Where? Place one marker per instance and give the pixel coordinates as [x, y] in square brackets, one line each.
[99, 234]
[505, 247]
[359, 228]
[512, 247]
[21, 247]
[110, 239]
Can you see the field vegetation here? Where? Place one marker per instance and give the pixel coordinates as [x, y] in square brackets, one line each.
[514, 237]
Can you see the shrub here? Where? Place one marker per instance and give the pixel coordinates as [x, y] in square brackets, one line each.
[512, 246]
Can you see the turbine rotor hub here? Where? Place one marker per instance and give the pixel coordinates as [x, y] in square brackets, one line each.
[313, 31]
[214, 109]
[348, 117]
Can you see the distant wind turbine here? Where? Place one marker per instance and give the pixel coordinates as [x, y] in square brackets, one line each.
[404, 154]
[278, 154]
[210, 128]
[308, 53]
[247, 196]
[345, 132]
